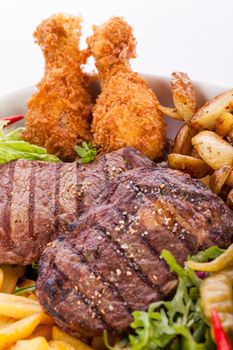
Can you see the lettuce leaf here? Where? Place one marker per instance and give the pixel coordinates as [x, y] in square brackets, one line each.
[86, 152]
[208, 254]
[13, 147]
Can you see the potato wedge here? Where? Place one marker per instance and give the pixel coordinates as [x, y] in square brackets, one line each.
[183, 140]
[205, 180]
[194, 153]
[230, 136]
[215, 151]
[224, 124]
[169, 112]
[206, 117]
[218, 178]
[230, 199]
[184, 95]
[195, 167]
[229, 180]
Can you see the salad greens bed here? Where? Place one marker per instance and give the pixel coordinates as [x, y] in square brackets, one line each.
[178, 324]
[13, 147]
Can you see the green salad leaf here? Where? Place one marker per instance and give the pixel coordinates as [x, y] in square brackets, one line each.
[35, 266]
[19, 291]
[175, 324]
[13, 147]
[86, 152]
[208, 254]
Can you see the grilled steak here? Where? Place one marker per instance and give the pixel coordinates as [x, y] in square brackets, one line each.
[39, 200]
[110, 265]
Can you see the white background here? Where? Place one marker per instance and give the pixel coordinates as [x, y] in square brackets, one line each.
[194, 36]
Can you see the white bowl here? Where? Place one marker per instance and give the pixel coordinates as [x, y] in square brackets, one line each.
[16, 102]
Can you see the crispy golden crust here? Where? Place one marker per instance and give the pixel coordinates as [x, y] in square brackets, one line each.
[58, 114]
[126, 112]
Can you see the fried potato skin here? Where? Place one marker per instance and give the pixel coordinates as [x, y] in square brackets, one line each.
[184, 95]
[126, 112]
[58, 114]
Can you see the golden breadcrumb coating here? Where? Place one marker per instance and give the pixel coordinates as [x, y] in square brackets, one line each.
[58, 114]
[126, 112]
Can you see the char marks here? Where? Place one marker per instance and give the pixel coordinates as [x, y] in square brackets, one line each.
[31, 205]
[57, 196]
[6, 213]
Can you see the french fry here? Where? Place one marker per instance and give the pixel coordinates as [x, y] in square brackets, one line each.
[184, 95]
[57, 334]
[206, 117]
[4, 297]
[38, 343]
[11, 276]
[215, 151]
[169, 112]
[42, 331]
[61, 345]
[224, 124]
[183, 140]
[19, 307]
[1, 278]
[6, 321]
[193, 166]
[19, 330]
[218, 178]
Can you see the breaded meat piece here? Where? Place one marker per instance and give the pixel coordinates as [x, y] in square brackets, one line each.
[58, 114]
[126, 112]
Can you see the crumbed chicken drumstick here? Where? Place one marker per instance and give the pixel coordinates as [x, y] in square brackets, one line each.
[59, 112]
[125, 113]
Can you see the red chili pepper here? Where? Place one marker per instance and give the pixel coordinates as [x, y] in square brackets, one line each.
[12, 119]
[221, 339]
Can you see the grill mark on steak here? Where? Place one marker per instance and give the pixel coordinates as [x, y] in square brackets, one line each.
[88, 290]
[81, 299]
[99, 275]
[82, 305]
[130, 261]
[19, 209]
[143, 238]
[106, 172]
[31, 205]
[57, 194]
[143, 247]
[80, 194]
[118, 273]
[6, 213]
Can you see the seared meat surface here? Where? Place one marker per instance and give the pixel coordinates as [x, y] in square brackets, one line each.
[40, 201]
[110, 264]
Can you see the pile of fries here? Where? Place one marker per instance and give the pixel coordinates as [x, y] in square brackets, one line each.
[23, 324]
[203, 145]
